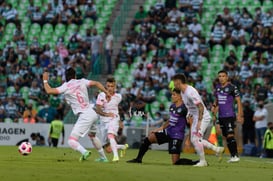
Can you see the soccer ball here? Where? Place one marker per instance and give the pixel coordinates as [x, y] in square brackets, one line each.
[25, 148]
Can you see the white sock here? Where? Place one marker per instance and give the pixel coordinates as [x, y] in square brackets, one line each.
[101, 153]
[97, 144]
[75, 145]
[209, 145]
[122, 147]
[198, 146]
[113, 145]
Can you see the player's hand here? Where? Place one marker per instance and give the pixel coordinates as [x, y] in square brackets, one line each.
[45, 75]
[189, 119]
[240, 119]
[112, 115]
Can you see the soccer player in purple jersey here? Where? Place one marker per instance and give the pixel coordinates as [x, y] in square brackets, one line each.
[225, 93]
[200, 118]
[171, 132]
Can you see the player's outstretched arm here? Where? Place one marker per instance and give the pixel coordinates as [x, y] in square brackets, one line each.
[48, 88]
[99, 110]
[100, 87]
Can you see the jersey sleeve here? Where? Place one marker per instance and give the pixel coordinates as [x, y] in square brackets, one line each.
[236, 91]
[120, 98]
[182, 111]
[196, 99]
[62, 88]
[101, 99]
[86, 82]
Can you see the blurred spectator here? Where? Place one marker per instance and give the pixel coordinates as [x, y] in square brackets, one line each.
[46, 114]
[246, 22]
[123, 56]
[268, 141]
[12, 110]
[10, 14]
[171, 29]
[31, 8]
[34, 92]
[96, 49]
[174, 14]
[195, 27]
[168, 69]
[231, 62]
[73, 45]
[56, 103]
[37, 16]
[218, 35]
[22, 46]
[18, 33]
[248, 126]
[260, 93]
[170, 4]
[50, 15]
[140, 73]
[200, 83]
[197, 6]
[237, 36]
[2, 113]
[147, 93]
[91, 11]
[29, 115]
[260, 119]
[140, 16]
[76, 16]
[35, 47]
[56, 129]
[189, 15]
[38, 138]
[108, 48]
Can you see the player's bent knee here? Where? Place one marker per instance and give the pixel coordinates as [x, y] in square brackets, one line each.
[152, 138]
[72, 142]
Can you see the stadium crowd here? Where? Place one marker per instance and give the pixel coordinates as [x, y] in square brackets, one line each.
[170, 38]
[43, 34]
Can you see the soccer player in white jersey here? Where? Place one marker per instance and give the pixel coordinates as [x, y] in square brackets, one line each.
[76, 95]
[201, 118]
[109, 125]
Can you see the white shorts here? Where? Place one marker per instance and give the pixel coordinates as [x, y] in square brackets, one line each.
[106, 128]
[204, 125]
[86, 121]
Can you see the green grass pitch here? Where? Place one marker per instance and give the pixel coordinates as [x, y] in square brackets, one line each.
[61, 164]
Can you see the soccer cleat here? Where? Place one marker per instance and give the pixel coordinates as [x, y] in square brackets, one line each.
[115, 159]
[220, 151]
[201, 164]
[233, 159]
[102, 160]
[123, 151]
[134, 161]
[85, 156]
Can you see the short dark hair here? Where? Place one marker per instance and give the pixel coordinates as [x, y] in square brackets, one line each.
[223, 71]
[176, 91]
[111, 80]
[70, 73]
[180, 77]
